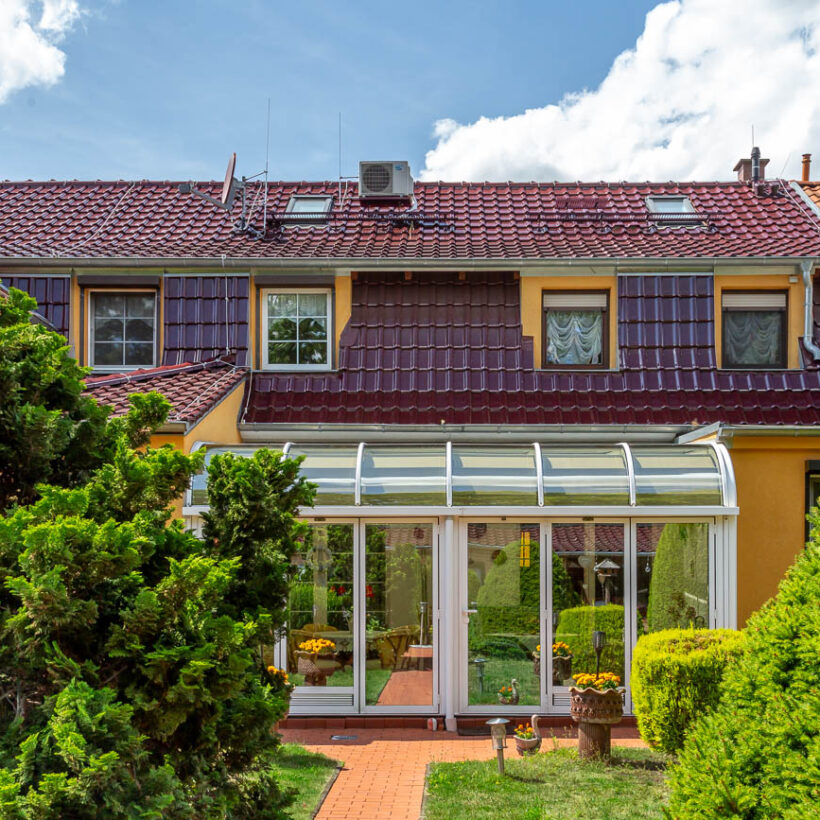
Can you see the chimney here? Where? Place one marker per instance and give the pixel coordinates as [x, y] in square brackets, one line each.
[752, 169]
[806, 168]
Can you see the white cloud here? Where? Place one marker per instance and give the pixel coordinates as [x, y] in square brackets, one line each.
[679, 105]
[29, 34]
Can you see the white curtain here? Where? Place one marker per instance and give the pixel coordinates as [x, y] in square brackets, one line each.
[753, 337]
[574, 337]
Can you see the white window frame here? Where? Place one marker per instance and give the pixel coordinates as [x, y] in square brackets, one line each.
[323, 200]
[107, 368]
[267, 365]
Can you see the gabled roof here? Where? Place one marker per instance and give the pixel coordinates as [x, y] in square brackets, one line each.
[450, 221]
[192, 389]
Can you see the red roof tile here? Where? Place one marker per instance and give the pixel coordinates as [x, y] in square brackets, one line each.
[452, 221]
[192, 389]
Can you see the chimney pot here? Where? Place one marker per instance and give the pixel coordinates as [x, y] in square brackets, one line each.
[806, 167]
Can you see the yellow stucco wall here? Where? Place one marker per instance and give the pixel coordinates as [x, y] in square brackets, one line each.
[749, 280]
[344, 306]
[531, 312]
[771, 486]
[220, 424]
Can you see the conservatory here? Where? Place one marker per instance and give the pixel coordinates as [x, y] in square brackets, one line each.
[436, 576]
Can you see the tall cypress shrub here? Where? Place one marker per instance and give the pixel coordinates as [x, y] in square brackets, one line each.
[758, 755]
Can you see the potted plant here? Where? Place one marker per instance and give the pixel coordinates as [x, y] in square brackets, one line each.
[595, 705]
[279, 682]
[561, 663]
[509, 695]
[314, 660]
[527, 740]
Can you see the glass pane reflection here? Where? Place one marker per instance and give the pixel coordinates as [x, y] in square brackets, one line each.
[494, 476]
[588, 595]
[404, 476]
[677, 475]
[574, 475]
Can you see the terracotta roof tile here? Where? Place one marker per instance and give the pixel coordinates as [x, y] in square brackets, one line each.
[452, 221]
[192, 389]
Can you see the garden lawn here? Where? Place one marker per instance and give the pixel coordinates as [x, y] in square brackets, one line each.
[307, 774]
[553, 785]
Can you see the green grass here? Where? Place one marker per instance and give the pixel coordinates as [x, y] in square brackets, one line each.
[498, 673]
[307, 774]
[554, 785]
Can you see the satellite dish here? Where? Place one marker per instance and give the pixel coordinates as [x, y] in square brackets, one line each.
[227, 185]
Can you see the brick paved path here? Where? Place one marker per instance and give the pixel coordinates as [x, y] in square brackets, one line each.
[383, 774]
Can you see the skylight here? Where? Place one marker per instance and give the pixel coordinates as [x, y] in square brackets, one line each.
[309, 205]
[669, 205]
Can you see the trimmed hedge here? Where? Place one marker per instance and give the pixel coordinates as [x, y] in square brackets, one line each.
[575, 628]
[758, 754]
[676, 677]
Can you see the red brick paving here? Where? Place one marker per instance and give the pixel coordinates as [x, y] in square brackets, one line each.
[383, 774]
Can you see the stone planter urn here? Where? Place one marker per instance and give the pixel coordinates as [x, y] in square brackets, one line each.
[595, 711]
[536, 664]
[561, 669]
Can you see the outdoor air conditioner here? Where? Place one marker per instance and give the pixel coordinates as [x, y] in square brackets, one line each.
[385, 180]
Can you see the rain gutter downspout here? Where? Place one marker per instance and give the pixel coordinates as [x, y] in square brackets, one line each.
[808, 325]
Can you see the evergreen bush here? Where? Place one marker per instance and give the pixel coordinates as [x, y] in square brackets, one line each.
[758, 754]
[675, 680]
[575, 628]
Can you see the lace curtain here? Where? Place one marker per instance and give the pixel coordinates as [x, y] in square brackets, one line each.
[574, 337]
[753, 337]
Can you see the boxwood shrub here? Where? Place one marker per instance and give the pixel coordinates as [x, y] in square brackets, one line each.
[575, 628]
[758, 754]
[675, 679]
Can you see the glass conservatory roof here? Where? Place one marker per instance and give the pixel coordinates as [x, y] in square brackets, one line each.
[529, 475]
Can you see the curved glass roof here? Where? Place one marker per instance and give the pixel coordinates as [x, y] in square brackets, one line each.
[528, 475]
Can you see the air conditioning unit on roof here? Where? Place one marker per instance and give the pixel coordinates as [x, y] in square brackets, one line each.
[385, 180]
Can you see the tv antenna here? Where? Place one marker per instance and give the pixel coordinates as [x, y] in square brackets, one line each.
[232, 186]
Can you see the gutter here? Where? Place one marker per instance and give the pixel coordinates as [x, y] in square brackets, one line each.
[474, 433]
[726, 432]
[219, 263]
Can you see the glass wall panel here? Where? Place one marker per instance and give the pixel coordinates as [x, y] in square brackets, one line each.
[399, 608]
[672, 576]
[485, 476]
[333, 469]
[587, 595]
[404, 475]
[575, 475]
[504, 601]
[677, 475]
[320, 643]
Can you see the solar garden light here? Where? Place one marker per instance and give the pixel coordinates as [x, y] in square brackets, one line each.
[598, 643]
[498, 733]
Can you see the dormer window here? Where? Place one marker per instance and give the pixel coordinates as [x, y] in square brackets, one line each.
[310, 208]
[754, 329]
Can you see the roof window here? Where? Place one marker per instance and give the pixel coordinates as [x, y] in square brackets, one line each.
[309, 208]
[669, 205]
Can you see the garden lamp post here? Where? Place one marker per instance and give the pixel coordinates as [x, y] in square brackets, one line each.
[498, 732]
[598, 643]
[479, 668]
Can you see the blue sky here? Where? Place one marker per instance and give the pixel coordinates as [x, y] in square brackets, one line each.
[167, 89]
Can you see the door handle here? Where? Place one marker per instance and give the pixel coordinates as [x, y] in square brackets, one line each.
[471, 612]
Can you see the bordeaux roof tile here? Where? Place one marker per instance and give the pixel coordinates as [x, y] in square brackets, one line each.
[435, 349]
[451, 221]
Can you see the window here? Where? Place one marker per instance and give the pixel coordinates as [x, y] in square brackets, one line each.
[297, 329]
[754, 329]
[575, 330]
[669, 205]
[122, 330]
[311, 208]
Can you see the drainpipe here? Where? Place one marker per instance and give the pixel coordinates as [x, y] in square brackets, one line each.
[808, 325]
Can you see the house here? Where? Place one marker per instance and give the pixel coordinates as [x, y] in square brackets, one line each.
[533, 411]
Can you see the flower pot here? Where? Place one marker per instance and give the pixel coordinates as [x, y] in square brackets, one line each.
[315, 667]
[527, 745]
[596, 706]
[561, 669]
[511, 700]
